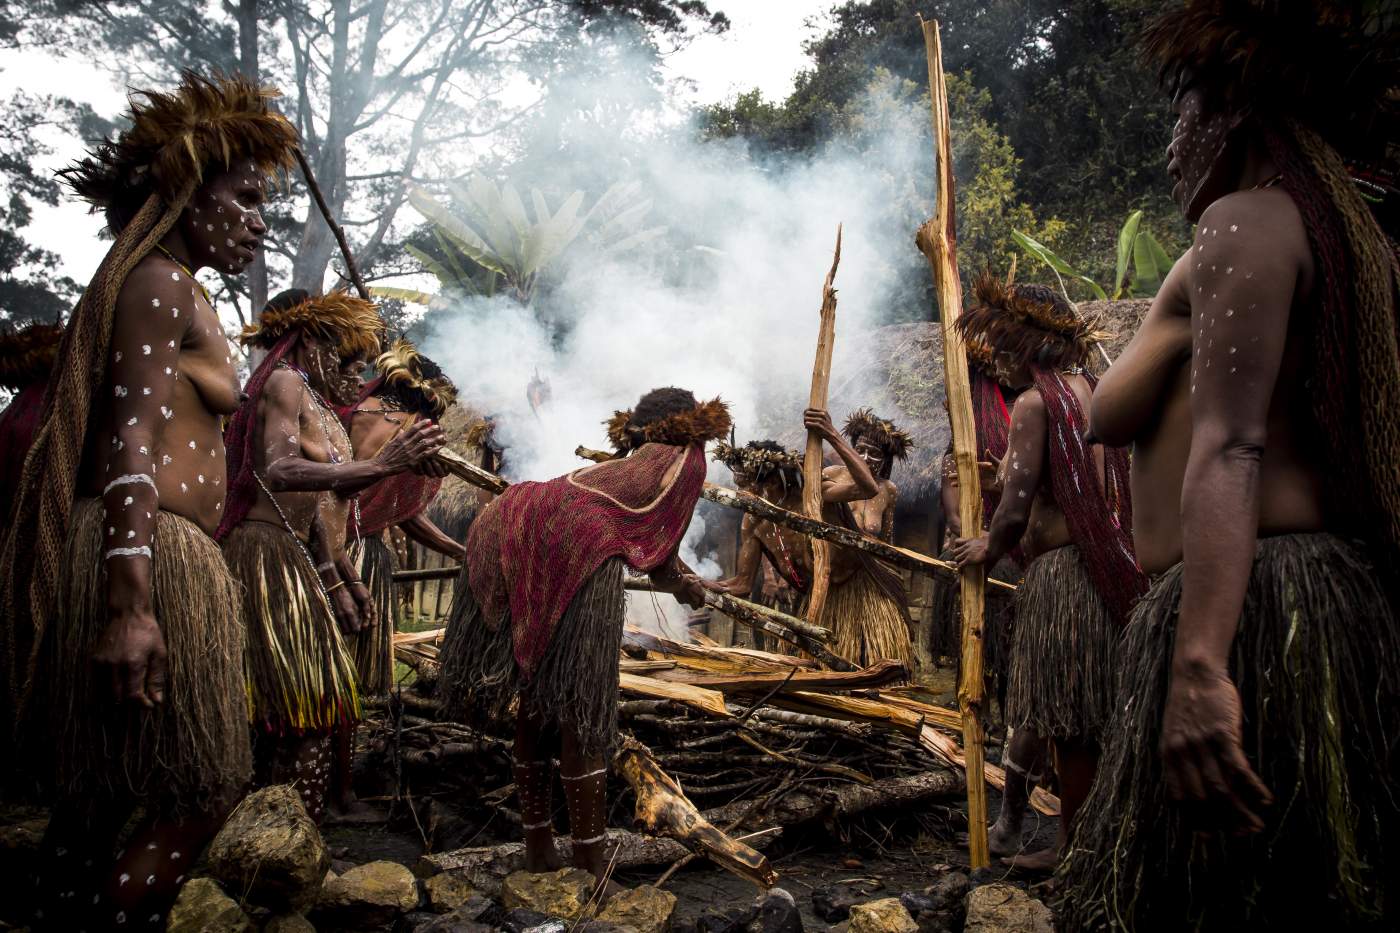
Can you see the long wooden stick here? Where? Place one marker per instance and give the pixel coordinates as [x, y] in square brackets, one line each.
[812, 462]
[937, 239]
[845, 537]
[320, 200]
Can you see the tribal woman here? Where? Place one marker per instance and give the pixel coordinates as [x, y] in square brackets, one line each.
[1065, 503]
[1249, 778]
[539, 606]
[123, 643]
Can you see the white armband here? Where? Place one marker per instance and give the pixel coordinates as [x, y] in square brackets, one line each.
[127, 552]
[127, 479]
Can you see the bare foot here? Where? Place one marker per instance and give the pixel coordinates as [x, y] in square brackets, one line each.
[1003, 839]
[352, 811]
[538, 863]
[1044, 860]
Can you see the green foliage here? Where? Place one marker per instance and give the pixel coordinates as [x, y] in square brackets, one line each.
[487, 236]
[1141, 264]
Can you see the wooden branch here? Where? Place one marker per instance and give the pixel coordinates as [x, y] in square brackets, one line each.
[664, 810]
[937, 239]
[709, 702]
[812, 461]
[877, 675]
[325, 208]
[470, 473]
[427, 573]
[899, 556]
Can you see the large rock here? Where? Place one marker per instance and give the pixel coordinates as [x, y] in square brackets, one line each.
[270, 852]
[447, 891]
[832, 902]
[887, 915]
[203, 907]
[641, 910]
[476, 915]
[367, 897]
[564, 893]
[1002, 908]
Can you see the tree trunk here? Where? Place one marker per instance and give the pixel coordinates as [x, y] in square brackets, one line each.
[247, 13]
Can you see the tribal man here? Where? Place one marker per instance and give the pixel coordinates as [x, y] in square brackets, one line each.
[122, 641]
[290, 460]
[766, 469]
[866, 605]
[26, 359]
[407, 388]
[539, 615]
[1249, 781]
[1065, 503]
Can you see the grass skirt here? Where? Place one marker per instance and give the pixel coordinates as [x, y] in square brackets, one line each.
[1063, 651]
[945, 639]
[373, 650]
[866, 624]
[190, 752]
[576, 682]
[1317, 663]
[300, 674]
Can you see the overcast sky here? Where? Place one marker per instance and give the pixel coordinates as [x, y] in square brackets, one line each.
[762, 49]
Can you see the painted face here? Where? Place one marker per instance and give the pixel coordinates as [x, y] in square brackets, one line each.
[871, 453]
[351, 381]
[222, 223]
[743, 478]
[323, 371]
[1009, 373]
[1196, 155]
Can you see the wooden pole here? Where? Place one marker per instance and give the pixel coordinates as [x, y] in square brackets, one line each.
[812, 462]
[320, 199]
[937, 239]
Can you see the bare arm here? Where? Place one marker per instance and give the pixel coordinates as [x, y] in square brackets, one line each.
[337, 575]
[421, 529]
[887, 519]
[750, 559]
[145, 354]
[857, 483]
[1130, 393]
[1243, 292]
[1025, 451]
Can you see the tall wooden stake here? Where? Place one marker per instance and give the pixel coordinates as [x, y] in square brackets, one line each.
[351, 269]
[937, 239]
[812, 461]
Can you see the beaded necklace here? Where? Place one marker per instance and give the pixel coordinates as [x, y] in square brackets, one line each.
[188, 271]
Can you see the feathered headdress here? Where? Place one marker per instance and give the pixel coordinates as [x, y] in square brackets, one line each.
[706, 422]
[415, 380]
[351, 323]
[27, 355]
[173, 137]
[1031, 324]
[761, 458]
[1332, 65]
[883, 434]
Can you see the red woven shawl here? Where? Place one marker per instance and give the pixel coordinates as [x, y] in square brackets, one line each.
[531, 549]
[18, 422]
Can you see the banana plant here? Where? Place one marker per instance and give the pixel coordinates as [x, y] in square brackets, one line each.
[1139, 268]
[486, 238]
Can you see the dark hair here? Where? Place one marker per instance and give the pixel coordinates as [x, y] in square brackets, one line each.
[287, 299]
[662, 403]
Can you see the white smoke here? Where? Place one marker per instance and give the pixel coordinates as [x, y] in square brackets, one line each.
[727, 307]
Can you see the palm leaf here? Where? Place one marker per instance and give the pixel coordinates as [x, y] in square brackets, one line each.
[1127, 244]
[411, 295]
[1150, 265]
[1042, 252]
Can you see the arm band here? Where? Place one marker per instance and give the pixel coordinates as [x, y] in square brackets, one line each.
[127, 479]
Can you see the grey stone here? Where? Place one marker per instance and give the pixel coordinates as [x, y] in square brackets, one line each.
[887, 915]
[641, 910]
[367, 897]
[203, 907]
[776, 913]
[564, 893]
[1003, 908]
[832, 903]
[270, 851]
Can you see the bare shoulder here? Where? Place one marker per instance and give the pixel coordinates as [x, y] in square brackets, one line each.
[1249, 224]
[835, 472]
[159, 292]
[889, 489]
[283, 386]
[1029, 404]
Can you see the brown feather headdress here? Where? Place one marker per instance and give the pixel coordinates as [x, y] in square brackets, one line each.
[760, 458]
[863, 423]
[1332, 65]
[27, 354]
[415, 380]
[351, 323]
[707, 421]
[176, 136]
[1032, 324]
